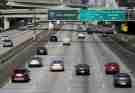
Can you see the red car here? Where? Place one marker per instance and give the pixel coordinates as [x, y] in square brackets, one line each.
[20, 75]
[112, 68]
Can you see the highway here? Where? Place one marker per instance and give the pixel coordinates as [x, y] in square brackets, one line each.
[92, 51]
[17, 37]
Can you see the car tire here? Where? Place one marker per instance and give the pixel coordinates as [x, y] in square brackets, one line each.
[106, 72]
[115, 85]
[130, 85]
[76, 73]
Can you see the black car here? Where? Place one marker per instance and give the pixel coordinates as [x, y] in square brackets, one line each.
[53, 39]
[20, 75]
[104, 35]
[89, 30]
[7, 43]
[35, 62]
[122, 80]
[82, 69]
[41, 51]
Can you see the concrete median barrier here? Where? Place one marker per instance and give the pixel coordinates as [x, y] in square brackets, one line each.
[127, 41]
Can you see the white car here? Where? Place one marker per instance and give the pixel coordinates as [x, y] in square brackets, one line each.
[66, 41]
[57, 65]
[81, 35]
[7, 43]
[35, 62]
[4, 37]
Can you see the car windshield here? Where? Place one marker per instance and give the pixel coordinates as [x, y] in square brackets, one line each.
[20, 71]
[58, 61]
[83, 66]
[42, 48]
[53, 37]
[36, 58]
[7, 40]
[122, 75]
[4, 36]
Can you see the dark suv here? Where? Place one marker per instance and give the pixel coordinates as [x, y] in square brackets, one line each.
[122, 80]
[82, 69]
[53, 39]
[41, 51]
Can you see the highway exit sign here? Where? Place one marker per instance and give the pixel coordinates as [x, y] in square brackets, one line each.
[63, 15]
[103, 15]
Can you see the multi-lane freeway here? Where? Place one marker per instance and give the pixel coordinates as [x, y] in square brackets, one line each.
[94, 50]
[17, 36]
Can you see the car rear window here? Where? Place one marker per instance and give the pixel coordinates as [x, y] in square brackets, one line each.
[122, 75]
[6, 40]
[59, 61]
[20, 71]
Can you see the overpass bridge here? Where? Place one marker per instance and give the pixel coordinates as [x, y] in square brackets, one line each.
[33, 3]
[23, 13]
[11, 16]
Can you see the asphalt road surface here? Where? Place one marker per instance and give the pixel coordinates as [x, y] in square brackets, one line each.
[92, 51]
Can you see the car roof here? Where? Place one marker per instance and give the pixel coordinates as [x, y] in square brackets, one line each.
[41, 47]
[122, 75]
[112, 63]
[82, 65]
[36, 57]
[3, 35]
[53, 36]
[7, 40]
[20, 70]
[57, 61]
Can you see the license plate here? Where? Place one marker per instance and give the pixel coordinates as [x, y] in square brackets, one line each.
[42, 51]
[123, 83]
[19, 78]
[82, 71]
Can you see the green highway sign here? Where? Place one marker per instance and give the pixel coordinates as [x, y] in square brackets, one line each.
[103, 15]
[63, 15]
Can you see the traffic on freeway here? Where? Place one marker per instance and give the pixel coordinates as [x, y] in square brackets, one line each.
[73, 62]
[74, 46]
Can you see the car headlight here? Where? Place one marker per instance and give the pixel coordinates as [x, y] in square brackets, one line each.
[34, 62]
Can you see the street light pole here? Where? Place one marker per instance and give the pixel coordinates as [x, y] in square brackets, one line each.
[61, 1]
[34, 23]
[3, 29]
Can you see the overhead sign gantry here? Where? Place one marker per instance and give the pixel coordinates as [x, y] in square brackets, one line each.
[89, 15]
[103, 15]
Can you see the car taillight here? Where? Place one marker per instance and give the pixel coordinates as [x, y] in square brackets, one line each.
[19, 75]
[112, 67]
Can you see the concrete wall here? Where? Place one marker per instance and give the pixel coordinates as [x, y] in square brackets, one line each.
[6, 23]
